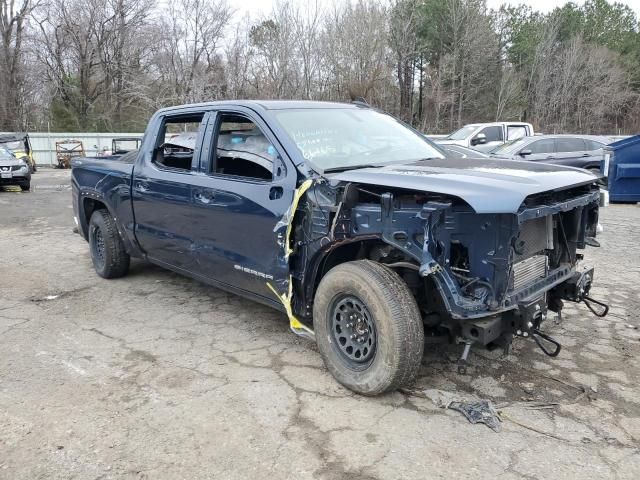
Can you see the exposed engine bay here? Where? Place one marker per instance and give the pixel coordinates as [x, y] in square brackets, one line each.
[477, 277]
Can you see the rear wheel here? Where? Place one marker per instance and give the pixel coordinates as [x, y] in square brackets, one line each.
[108, 254]
[368, 327]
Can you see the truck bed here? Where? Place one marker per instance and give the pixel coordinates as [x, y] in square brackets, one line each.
[107, 180]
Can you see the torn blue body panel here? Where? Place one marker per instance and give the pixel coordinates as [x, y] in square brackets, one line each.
[464, 265]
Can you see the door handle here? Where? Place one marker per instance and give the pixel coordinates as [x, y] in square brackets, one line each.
[586, 155]
[142, 187]
[275, 193]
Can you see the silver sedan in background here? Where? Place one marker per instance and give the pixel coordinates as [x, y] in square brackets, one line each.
[13, 170]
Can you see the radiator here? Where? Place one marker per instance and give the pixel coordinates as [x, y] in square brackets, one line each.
[529, 271]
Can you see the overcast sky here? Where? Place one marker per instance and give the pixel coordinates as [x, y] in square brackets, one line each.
[258, 7]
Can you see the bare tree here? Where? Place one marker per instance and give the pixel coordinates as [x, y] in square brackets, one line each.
[274, 71]
[122, 53]
[13, 17]
[69, 44]
[356, 49]
[307, 26]
[186, 56]
[238, 57]
[107, 64]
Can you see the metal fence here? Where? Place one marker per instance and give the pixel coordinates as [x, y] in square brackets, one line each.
[44, 143]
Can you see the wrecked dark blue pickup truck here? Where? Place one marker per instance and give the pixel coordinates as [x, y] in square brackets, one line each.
[358, 228]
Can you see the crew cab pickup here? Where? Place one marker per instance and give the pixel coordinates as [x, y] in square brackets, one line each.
[484, 137]
[364, 233]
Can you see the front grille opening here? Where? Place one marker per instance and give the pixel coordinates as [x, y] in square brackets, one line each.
[552, 197]
[534, 236]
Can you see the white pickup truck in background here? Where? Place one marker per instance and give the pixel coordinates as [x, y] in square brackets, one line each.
[487, 136]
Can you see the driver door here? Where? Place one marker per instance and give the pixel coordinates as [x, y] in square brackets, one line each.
[494, 136]
[245, 186]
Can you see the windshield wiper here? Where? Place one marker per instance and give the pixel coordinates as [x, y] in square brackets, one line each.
[343, 168]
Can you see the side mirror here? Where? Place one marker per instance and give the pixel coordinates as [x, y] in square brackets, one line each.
[525, 152]
[479, 139]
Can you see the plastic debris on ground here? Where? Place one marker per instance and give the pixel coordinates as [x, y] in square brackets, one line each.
[480, 411]
[476, 411]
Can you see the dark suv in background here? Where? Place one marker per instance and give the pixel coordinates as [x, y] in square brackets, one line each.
[582, 151]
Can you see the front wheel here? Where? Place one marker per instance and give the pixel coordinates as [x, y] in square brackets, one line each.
[368, 327]
[109, 257]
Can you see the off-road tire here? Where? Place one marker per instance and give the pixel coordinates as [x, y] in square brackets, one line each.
[25, 187]
[398, 326]
[108, 254]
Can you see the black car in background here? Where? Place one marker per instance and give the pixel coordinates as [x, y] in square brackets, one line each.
[582, 151]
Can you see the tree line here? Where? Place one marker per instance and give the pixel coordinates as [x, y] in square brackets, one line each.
[106, 65]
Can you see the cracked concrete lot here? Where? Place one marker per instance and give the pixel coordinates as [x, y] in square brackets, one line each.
[155, 376]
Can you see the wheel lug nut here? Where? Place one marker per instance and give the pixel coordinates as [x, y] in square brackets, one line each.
[353, 336]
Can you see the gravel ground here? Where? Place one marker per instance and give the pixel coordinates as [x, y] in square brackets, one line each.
[158, 376]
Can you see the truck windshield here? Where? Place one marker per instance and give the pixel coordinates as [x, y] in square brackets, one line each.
[463, 133]
[334, 138]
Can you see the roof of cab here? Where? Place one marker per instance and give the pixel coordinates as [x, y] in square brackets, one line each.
[293, 104]
[266, 105]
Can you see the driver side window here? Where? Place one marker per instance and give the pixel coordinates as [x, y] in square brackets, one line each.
[542, 146]
[242, 150]
[493, 134]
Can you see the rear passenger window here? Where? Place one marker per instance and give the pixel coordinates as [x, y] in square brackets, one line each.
[570, 145]
[177, 142]
[541, 146]
[516, 131]
[242, 150]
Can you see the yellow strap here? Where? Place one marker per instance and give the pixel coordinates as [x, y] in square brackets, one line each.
[296, 198]
[294, 323]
